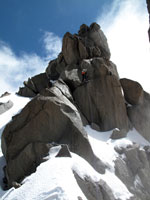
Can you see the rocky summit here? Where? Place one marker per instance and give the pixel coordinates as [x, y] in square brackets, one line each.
[80, 87]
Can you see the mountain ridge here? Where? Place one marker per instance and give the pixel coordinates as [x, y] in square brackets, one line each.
[64, 101]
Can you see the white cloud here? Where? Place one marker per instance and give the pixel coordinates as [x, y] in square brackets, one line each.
[15, 69]
[52, 44]
[125, 26]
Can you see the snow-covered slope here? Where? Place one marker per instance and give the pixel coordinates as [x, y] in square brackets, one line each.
[19, 103]
[54, 179]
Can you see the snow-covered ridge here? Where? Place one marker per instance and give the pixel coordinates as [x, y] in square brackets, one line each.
[54, 179]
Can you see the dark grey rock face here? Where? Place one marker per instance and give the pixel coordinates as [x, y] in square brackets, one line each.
[134, 171]
[5, 94]
[34, 85]
[139, 115]
[90, 42]
[25, 162]
[26, 92]
[100, 99]
[117, 134]
[94, 190]
[55, 67]
[5, 106]
[70, 49]
[133, 91]
[95, 127]
[99, 40]
[48, 118]
[123, 172]
[72, 76]
[90, 189]
[64, 151]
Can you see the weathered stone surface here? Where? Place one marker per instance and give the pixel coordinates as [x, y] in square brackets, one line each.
[56, 67]
[5, 106]
[72, 76]
[106, 191]
[83, 30]
[51, 70]
[61, 64]
[95, 127]
[60, 84]
[25, 162]
[144, 175]
[134, 171]
[133, 91]
[88, 43]
[26, 92]
[64, 151]
[94, 190]
[90, 189]
[100, 99]
[34, 85]
[112, 68]
[44, 119]
[144, 159]
[83, 51]
[79, 198]
[99, 39]
[147, 150]
[70, 48]
[124, 173]
[40, 82]
[133, 159]
[5, 94]
[30, 84]
[117, 134]
[139, 115]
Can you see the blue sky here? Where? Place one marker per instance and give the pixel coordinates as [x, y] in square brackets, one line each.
[24, 22]
[31, 35]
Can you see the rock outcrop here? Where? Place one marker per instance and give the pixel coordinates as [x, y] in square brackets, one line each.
[5, 106]
[138, 106]
[133, 91]
[90, 42]
[118, 134]
[133, 169]
[100, 99]
[34, 85]
[94, 190]
[5, 94]
[48, 118]
[139, 115]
